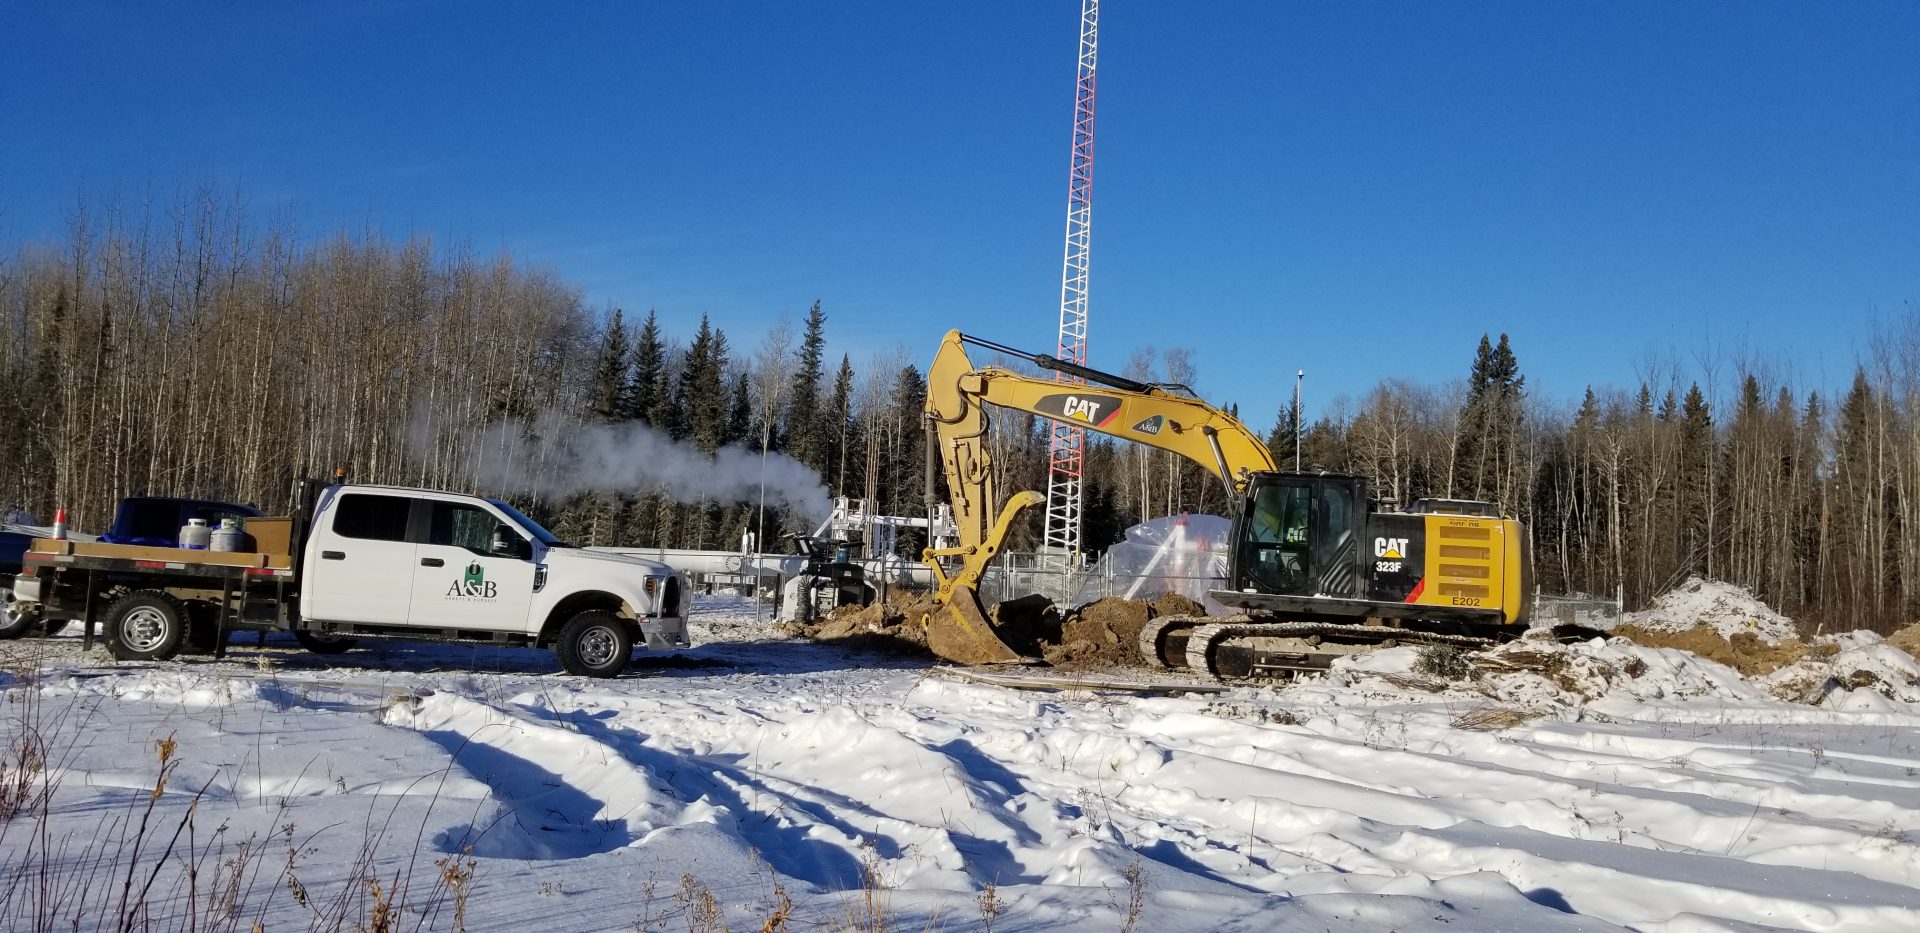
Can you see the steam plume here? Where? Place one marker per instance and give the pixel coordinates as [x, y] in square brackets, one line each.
[556, 455]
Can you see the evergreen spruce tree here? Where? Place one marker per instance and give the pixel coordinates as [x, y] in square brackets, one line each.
[740, 425]
[1489, 433]
[1280, 438]
[648, 397]
[701, 400]
[840, 426]
[712, 400]
[693, 369]
[807, 431]
[1696, 479]
[609, 387]
[903, 464]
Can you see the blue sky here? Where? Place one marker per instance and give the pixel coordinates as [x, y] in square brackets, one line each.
[1357, 189]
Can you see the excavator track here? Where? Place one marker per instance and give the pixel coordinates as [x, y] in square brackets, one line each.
[1240, 646]
[1208, 646]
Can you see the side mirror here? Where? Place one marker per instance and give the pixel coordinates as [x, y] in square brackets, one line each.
[507, 544]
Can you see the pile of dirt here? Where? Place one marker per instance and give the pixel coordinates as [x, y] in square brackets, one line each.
[1106, 633]
[895, 624]
[1101, 635]
[1727, 610]
[1907, 639]
[1745, 652]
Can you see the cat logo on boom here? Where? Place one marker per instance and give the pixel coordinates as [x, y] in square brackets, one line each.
[1087, 408]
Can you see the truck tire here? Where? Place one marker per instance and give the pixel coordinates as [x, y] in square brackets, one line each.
[146, 625]
[324, 644]
[594, 643]
[13, 622]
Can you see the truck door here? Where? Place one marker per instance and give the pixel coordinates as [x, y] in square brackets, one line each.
[359, 563]
[461, 582]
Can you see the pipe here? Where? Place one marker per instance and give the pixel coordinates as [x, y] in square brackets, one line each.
[1220, 460]
[1062, 366]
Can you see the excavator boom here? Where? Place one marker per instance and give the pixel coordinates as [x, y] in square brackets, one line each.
[957, 393]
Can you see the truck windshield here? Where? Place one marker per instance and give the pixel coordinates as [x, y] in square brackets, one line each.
[532, 527]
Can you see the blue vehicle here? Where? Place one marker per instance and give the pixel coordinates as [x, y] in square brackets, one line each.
[13, 544]
[155, 521]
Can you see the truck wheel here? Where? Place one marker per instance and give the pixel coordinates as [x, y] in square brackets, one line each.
[324, 644]
[14, 622]
[594, 643]
[147, 625]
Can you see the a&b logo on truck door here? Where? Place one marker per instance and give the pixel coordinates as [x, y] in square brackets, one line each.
[474, 585]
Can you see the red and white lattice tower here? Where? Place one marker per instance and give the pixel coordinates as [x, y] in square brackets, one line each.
[1069, 441]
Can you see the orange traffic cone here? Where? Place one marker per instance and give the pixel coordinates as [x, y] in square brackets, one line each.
[59, 524]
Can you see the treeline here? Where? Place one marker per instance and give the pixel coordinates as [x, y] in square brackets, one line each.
[199, 353]
[1814, 505]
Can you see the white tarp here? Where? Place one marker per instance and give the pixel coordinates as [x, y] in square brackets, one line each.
[1185, 554]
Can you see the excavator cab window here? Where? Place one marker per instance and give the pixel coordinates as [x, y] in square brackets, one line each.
[1275, 550]
[1298, 536]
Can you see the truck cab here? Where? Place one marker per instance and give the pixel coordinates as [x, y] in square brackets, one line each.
[379, 558]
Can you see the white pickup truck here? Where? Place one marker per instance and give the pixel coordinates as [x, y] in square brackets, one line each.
[369, 561]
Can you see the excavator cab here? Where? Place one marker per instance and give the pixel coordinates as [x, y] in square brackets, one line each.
[1298, 534]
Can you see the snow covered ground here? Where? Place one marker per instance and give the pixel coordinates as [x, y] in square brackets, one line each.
[1674, 796]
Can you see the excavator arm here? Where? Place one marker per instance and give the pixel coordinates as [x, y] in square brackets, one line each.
[957, 393]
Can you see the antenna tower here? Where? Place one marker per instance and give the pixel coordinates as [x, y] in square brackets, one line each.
[1065, 454]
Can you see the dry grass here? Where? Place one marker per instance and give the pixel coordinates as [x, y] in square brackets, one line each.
[151, 863]
[1492, 718]
[1136, 875]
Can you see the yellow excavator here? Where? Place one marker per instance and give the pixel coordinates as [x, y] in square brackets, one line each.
[1316, 570]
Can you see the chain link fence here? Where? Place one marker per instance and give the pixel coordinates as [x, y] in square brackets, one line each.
[1022, 574]
[1578, 609]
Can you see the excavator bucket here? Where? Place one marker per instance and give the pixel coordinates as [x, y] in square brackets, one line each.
[957, 627]
[959, 632]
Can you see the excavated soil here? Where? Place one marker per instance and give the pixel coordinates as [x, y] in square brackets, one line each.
[1101, 633]
[1098, 636]
[1907, 639]
[1744, 652]
[893, 625]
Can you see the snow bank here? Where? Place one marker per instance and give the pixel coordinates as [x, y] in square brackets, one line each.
[1551, 678]
[173, 688]
[1856, 672]
[1725, 608]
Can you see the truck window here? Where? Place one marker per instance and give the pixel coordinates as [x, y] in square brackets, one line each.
[372, 518]
[464, 526]
[158, 519]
